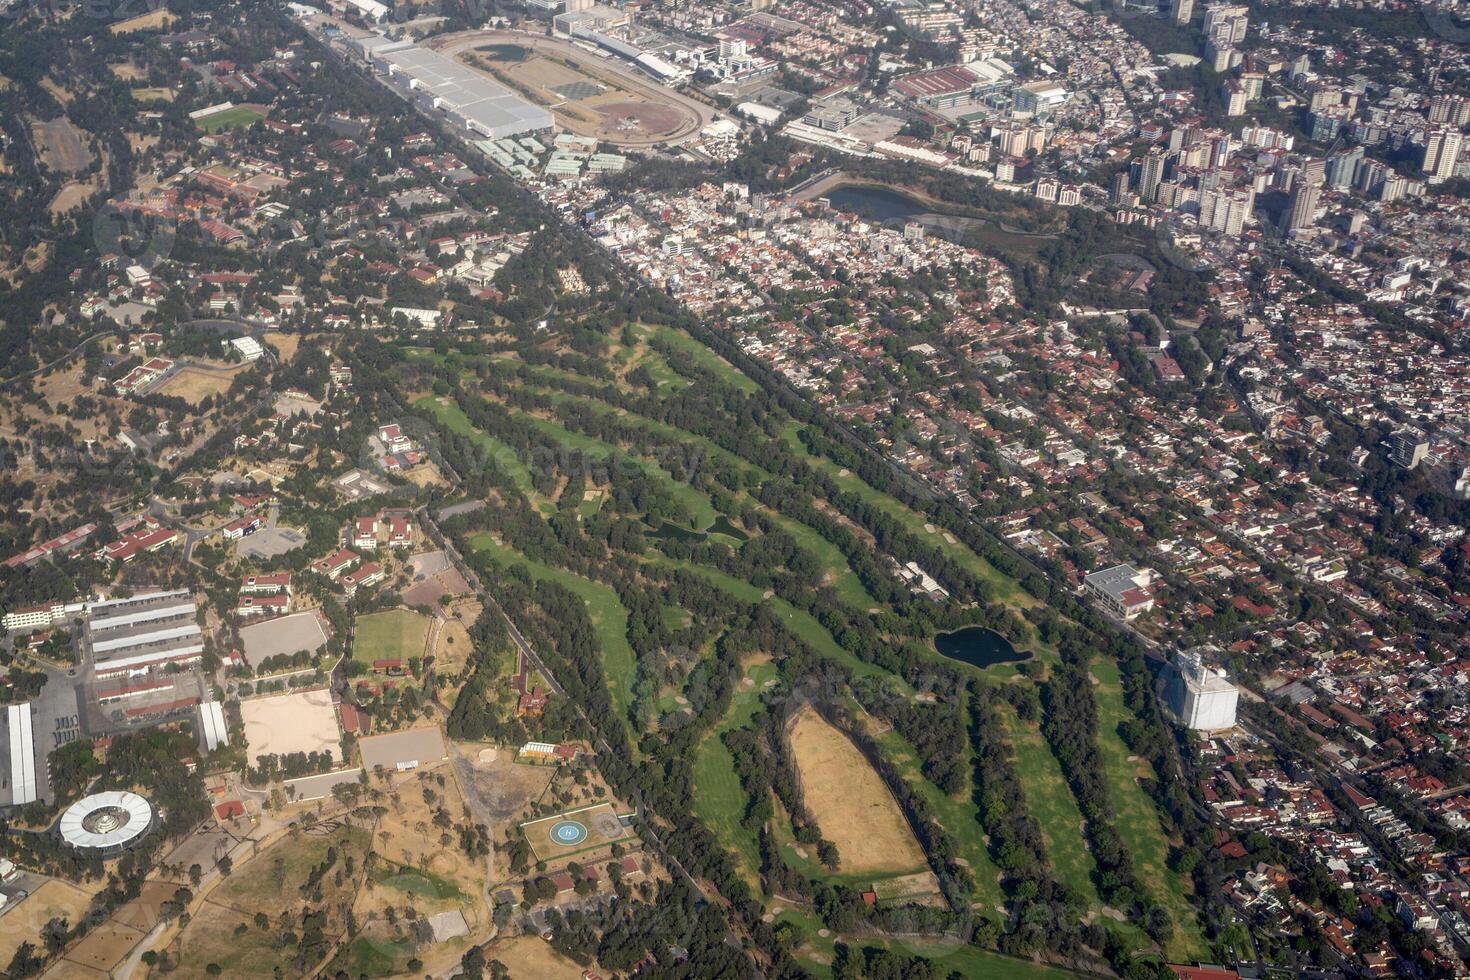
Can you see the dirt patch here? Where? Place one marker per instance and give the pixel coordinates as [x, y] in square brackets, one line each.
[194, 385]
[304, 721]
[72, 195]
[105, 946]
[851, 804]
[286, 344]
[154, 19]
[61, 145]
[53, 900]
[529, 956]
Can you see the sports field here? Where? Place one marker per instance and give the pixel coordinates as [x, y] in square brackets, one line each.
[575, 832]
[851, 804]
[231, 118]
[304, 721]
[395, 634]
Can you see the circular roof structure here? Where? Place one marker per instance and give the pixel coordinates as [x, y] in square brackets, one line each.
[106, 821]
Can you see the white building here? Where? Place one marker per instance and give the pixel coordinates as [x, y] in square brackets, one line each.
[1200, 696]
[248, 348]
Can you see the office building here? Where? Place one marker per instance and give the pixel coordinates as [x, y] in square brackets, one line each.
[1181, 11]
[1200, 696]
[1225, 24]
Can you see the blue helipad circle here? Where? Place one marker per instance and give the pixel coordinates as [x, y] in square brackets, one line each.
[568, 833]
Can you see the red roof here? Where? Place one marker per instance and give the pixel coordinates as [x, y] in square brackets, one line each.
[229, 810]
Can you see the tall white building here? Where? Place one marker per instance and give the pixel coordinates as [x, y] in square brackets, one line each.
[1200, 696]
[1441, 151]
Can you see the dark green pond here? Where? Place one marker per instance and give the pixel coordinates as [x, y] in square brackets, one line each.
[978, 647]
[669, 531]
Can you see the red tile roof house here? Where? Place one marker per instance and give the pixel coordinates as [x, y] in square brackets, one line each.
[370, 573]
[333, 566]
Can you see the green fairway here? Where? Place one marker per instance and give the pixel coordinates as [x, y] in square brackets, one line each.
[1049, 799]
[719, 799]
[957, 815]
[705, 357]
[396, 634]
[1007, 590]
[608, 616]
[1138, 817]
[446, 413]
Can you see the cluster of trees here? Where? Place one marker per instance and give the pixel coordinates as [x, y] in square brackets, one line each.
[289, 765]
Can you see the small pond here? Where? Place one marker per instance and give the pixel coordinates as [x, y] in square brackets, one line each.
[979, 647]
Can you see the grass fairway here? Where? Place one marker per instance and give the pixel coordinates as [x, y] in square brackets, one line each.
[609, 617]
[395, 634]
[1050, 801]
[1007, 590]
[958, 816]
[851, 803]
[446, 413]
[705, 357]
[719, 799]
[232, 118]
[1138, 817]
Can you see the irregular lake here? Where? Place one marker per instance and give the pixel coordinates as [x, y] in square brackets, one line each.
[978, 647]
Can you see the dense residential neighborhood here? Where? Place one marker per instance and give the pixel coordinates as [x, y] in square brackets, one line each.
[911, 488]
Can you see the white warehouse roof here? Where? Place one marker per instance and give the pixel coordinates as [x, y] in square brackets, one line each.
[472, 100]
[22, 755]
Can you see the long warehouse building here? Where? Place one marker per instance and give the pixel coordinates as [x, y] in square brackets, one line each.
[132, 636]
[466, 97]
[22, 755]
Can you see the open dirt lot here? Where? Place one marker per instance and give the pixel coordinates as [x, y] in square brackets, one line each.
[71, 194]
[103, 947]
[528, 957]
[289, 634]
[588, 95]
[852, 806]
[53, 900]
[286, 344]
[304, 721]
[62, 146]
[154, 19]
[193, 384]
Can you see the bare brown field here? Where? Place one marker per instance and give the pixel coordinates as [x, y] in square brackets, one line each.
[406, 834]
[55, 899]
[851, 804]
[155, 94]
[127, 71]
[153, 19]
[194, 385]
[58, 92]
[286, 344]
[105, 946]
[531, 958]
[61, 145]
[71, 195]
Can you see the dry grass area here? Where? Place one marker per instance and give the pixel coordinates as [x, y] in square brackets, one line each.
[146, 94]
[531, 958]
[452, 644]
[58, 92]
[426, 475]
[194, 385]
[101, 949]
[141, 142]
[154, 19]
[851, 804]
[406, 835]
[127, 71]
[72, 195]
[272, 882]
[53, 900]
[286, 344]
